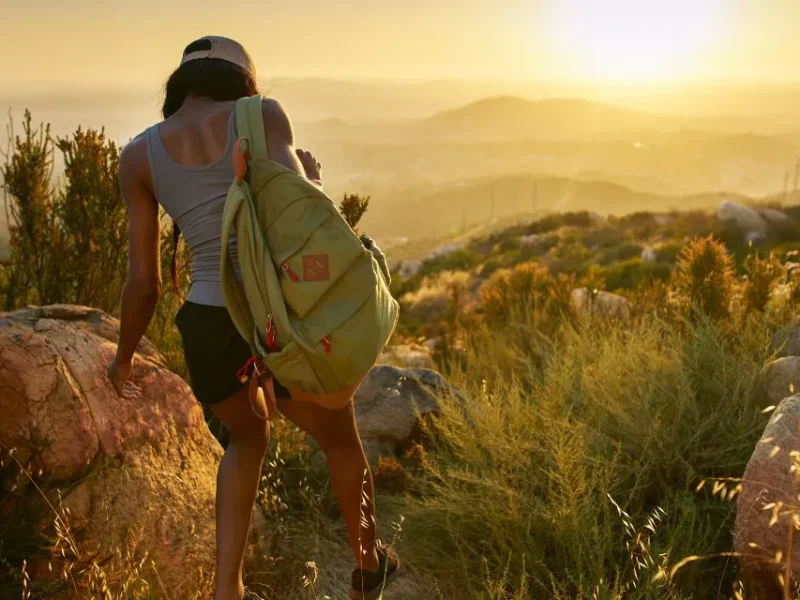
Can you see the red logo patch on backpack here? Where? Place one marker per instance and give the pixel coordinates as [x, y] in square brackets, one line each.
[316, 268]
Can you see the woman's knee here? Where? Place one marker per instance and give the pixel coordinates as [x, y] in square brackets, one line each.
[255, 433]
[245, 419]
[340, 441]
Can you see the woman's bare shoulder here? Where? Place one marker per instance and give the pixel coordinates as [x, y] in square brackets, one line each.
[277, 121]
[134, 165]
[134, 152]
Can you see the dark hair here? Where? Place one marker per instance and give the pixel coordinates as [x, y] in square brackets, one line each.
[211, 78]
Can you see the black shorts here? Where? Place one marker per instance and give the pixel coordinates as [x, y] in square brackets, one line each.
[214, 352]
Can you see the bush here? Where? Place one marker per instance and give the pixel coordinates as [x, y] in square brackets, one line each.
[623, 251]
[634, 273]
[34, 237]
[433, 297]
[93, 222]
[557, 221]
[526, 286]
[459, 260]
[570, 256]
[668, 252]
[704, 278]
[67, 244]
[762, 277]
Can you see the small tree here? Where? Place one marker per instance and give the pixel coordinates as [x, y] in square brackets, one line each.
[67, 244]
[93, 220]
[33, 232]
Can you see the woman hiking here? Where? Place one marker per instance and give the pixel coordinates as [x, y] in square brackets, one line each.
[184, 163]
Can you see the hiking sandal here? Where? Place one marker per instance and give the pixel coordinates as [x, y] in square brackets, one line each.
[369, 585]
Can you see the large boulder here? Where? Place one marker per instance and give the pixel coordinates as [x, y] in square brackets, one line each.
[391, 402]
[782, 378]
[765, 510]
[786, 342]
[600, 304]
[773, 215]
[137, 476]
[745, 218]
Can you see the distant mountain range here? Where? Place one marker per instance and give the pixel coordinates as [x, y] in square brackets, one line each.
[511, 118]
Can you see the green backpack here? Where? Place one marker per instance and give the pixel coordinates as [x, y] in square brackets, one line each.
[315, 304]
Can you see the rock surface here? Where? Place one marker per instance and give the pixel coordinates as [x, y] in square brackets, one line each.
[649, 255]
[764, 511]
[445, 250]
[745, 218]
[601, 304]
[408, 268]
[530, 239]
[390, 403]
[786, 342]
[409, 356]
[782, 378]
[773, 215]
[137, 475]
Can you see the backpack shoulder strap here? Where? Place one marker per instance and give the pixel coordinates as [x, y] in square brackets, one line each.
[235, 299]
[250, 125]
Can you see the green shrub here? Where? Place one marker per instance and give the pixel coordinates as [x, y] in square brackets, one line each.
[68, 243]
[762, 277]
[34, 237]
[668, 252]
[634, 273]
[527, 285]
[559, 220]
[623, 251]
[570, 256]
[704, 278]
[460, 260]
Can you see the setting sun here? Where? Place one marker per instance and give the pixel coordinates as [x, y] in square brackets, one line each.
[631, 40]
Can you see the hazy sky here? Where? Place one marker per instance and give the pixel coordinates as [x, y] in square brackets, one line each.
[119, 42]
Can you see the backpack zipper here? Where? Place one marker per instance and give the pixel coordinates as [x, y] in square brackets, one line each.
[271, 335]
[288, 270]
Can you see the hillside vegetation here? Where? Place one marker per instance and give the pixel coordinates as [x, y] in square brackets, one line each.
[569, 468]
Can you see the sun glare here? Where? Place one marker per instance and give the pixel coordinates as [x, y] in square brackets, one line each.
[635, 40]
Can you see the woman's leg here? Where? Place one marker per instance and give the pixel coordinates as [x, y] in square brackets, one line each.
[336, 433]
[237, 485]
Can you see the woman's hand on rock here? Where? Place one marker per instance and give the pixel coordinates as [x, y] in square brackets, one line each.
[120, 375]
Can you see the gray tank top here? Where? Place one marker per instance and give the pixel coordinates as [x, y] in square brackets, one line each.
[194, 197]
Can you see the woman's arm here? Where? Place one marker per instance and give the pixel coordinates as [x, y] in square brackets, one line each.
[280, 143]
[143, 285]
